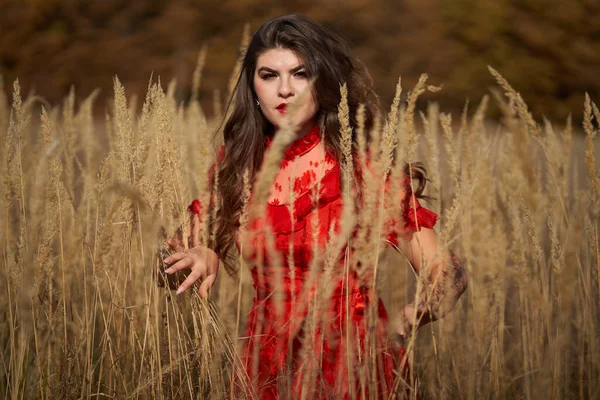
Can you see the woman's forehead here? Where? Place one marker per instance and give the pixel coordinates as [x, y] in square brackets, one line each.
[278, 59]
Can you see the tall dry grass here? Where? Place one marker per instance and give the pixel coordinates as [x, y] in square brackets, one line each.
[85, 207]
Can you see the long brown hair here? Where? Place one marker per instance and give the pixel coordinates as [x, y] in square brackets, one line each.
[329, 64]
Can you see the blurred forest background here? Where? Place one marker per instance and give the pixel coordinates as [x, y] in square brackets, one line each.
[549, 50]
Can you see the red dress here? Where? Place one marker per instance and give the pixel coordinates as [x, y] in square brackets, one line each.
[304, 341]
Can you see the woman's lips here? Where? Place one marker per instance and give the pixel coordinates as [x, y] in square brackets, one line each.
[282, 108]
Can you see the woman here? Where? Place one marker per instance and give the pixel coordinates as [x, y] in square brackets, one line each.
[310, 333]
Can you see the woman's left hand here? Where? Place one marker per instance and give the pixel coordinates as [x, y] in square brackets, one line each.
[202, 262]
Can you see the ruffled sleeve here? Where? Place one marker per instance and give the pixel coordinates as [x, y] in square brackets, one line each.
[419, 217]
[409, 218]
[195, 207]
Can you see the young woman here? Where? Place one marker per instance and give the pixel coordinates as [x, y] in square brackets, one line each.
[296, 346]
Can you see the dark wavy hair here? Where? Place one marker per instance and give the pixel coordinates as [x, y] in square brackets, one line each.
[330, 64]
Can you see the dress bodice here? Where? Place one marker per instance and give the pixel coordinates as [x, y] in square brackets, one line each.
[305, 201]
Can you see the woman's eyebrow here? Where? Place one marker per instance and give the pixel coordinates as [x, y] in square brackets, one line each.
[270, 70]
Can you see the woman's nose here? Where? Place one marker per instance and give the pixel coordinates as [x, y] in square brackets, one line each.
[285, 88]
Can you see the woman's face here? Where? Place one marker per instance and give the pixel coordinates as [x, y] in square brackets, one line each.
[280, 79]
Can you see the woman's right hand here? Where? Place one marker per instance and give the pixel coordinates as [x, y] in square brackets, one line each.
[202, 262]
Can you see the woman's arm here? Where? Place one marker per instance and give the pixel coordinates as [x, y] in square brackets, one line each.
[445, 279]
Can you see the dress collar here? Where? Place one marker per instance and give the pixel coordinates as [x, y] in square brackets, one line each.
[303, 145]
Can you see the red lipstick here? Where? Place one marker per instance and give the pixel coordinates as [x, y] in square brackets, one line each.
[282, 108]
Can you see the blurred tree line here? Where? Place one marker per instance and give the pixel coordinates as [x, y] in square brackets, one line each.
[549, 50]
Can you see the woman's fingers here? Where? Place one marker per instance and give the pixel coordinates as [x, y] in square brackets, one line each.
[189, 281]
[184, 263]
[175, 257]
[206, 285]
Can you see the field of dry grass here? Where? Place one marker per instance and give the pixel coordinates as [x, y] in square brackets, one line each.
[85, 206]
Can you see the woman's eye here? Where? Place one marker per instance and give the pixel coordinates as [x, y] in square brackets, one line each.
[267, 76]
[302, 74]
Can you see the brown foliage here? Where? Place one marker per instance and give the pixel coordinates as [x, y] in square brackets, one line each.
[550, 53]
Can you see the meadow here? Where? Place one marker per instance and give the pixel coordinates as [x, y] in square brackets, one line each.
[87, 204]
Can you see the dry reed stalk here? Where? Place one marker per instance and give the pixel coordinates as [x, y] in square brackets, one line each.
[567, 140]
[411, 103]
[348, 161]
[152, 181]
[88, 143]
[291, 266]
[520, 124]
[374, 141]
[462, 139]
[4, 111]
[197, 148]
[49, 225]
[142, 145]
[453, 213]
[390, 137]
[200, 156]
[397, 174]
[431, 125]
[14, 257]
[367, 232]
[180, 190]
[19, 120]
[123, 131]
[197, 77]
[538, 253]
[477, 131]
[217, 106]
[276, 264]
[556, 254]
[235, 74]
[68, 140]
[243, 229]
[596, 112]
[45, 248]
[361, 142]
[165, 153]
[518, 103]
[346, 132]
[311, 349]
[4, 140]
[209, 236]
[590, 134]
[555, 166]
[451, 153]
